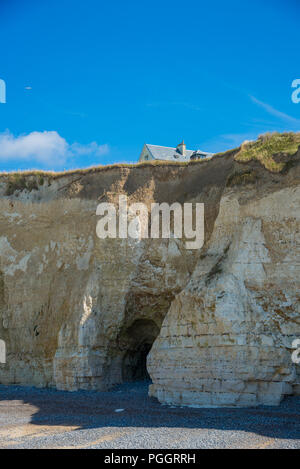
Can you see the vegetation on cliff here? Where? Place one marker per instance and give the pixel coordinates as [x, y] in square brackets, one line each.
[271, 150]
[267, 146]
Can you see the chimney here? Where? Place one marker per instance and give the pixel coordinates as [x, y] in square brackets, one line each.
[181, 148]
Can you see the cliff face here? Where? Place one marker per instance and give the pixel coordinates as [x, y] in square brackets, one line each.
[78, 312]
[227, 337]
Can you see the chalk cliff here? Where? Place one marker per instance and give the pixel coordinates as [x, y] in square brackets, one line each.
[79, 312]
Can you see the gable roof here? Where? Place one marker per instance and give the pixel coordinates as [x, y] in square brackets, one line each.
[171, 154]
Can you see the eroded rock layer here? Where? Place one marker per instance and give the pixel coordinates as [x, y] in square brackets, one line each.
[227, 337]
[77, 312]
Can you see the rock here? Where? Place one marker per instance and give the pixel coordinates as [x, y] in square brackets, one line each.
[235, 321]
[79, 312]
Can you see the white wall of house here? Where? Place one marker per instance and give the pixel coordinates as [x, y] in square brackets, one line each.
[145, 155]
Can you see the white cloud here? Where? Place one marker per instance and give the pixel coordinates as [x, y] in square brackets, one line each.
[46, 148]
[41, 147]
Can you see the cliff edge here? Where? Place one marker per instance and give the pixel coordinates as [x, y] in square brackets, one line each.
[216, 325]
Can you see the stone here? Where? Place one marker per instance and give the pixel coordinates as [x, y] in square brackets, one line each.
[79, 312]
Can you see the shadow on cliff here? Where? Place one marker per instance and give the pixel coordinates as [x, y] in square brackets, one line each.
[88, 409]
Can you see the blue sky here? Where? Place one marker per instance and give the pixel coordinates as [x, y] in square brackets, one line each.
[89, 82]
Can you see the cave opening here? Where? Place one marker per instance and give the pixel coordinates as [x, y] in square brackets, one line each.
[141, 335]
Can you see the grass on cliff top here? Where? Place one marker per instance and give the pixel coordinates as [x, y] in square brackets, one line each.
[263, 150]
[33, 179]
[267, 146]
[19, 175]
[18, 181]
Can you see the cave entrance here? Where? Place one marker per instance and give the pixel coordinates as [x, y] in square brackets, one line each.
[134, 367]
[140, 335]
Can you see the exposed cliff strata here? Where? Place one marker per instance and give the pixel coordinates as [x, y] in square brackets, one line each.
[227, 337]
[78, 312]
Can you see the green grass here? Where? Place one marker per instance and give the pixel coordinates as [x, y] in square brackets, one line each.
[267, 146]
[18, 181]
[237, 179]
[262, 150]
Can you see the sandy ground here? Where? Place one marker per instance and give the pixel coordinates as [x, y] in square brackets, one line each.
[127, 418]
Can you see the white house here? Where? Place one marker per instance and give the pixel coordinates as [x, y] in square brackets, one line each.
[180, 153]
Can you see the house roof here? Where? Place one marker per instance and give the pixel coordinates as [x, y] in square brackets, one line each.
[170, 154]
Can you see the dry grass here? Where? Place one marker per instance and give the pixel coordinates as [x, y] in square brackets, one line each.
[227, 153]
[267, 146]
[264, 149]
[94, 169]
[33, 179]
